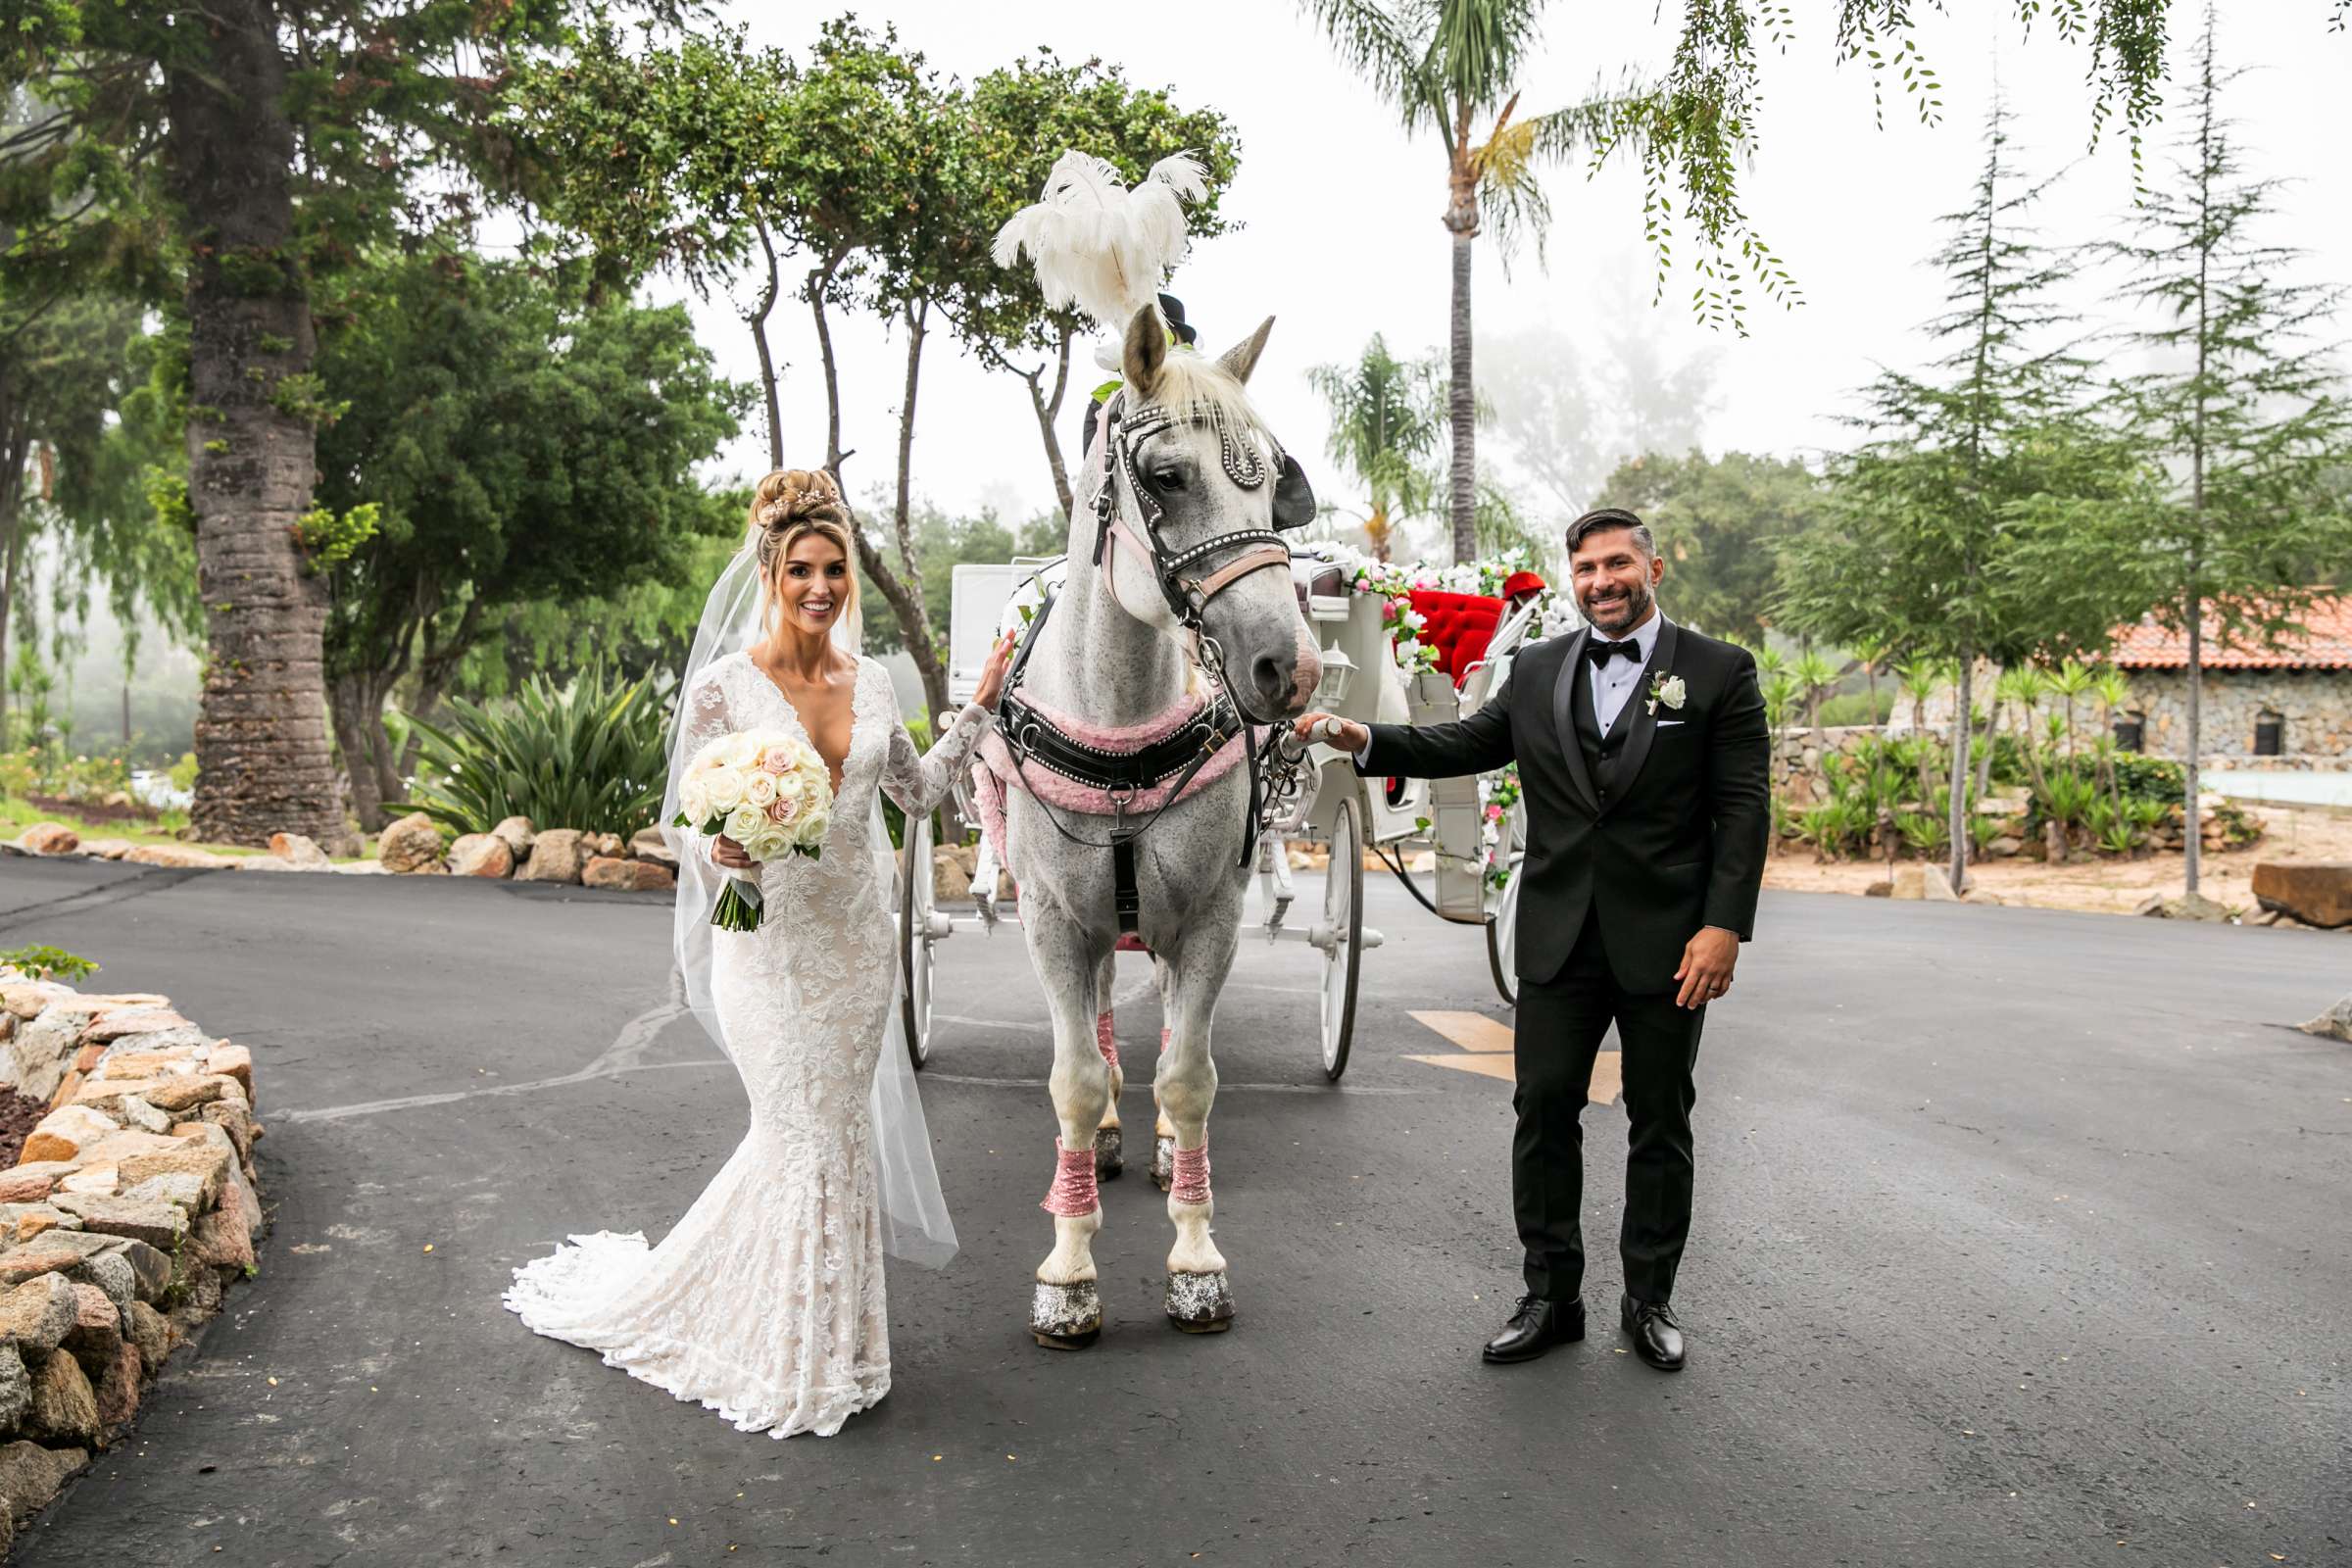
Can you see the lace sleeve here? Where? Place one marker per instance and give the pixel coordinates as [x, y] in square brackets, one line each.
[704, 719]
[918, 783]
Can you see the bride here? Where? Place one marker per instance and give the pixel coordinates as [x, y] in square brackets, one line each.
[765, 1302]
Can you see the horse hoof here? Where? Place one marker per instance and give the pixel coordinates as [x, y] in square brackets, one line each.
[1200, 1304]
[1164, 1163]
[1109, 1152]
[1065, 1317]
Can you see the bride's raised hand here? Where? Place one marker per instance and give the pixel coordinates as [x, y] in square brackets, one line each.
[729, 854]
[992, 674]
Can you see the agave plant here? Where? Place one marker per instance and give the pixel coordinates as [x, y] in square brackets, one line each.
[1781, 693]
[1922, 832]
[2070, 681]
[1816, 675]
[2066, 797]
[588, 754]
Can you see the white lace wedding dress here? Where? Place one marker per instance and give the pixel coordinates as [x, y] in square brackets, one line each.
[765, 1302]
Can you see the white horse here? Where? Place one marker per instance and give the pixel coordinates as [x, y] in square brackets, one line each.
[1172, 588]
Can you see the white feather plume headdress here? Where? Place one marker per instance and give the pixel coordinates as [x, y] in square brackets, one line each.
[1097, 244]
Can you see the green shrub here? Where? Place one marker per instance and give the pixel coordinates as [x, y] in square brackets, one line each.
[2149, 778]
[1854, 708]
[47, 963]
[589, 755]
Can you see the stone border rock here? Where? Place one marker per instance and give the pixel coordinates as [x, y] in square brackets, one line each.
[131, 1208]
[410, 847]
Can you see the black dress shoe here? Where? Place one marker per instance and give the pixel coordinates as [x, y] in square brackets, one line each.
[1535, 1326]
[1657, 1338]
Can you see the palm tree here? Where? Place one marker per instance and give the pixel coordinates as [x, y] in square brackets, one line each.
[1816, 675]
[1451, 65]
[1871, 653]
[1386, 415]
[1920, 678]
[2025, 686]
[2071, 680]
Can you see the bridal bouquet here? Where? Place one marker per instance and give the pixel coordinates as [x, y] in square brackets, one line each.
[767, 791]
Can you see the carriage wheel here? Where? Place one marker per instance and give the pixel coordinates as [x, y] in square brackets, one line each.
[1503, 913]
[1340, 935]
[915, 908]
[1503, 939]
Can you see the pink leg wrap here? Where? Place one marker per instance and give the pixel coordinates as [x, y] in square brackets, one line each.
[1102, 1040]
[1163, 1041]
[1191, 1184]
[1073, 1191]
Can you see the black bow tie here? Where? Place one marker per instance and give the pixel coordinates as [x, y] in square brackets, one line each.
[1600, 653]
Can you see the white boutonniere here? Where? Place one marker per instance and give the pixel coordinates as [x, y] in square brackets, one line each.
[1667, 689]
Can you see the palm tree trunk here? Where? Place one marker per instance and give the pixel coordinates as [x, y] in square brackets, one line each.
[1461, 407]
[262, 755]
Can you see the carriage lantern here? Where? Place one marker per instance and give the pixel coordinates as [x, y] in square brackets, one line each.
[1339, 673]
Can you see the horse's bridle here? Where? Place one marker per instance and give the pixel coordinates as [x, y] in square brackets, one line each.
[1187, 596]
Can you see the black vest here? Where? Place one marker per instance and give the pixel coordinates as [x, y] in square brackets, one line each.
[1602, 752]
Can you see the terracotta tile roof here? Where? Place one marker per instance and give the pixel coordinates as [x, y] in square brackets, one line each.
[2326, 644]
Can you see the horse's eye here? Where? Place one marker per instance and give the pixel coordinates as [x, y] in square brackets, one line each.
[1167, 476]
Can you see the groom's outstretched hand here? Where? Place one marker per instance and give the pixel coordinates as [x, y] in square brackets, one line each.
[1343, 733]
[1707, 961]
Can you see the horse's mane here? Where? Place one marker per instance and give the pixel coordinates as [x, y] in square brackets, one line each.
[1192, 386]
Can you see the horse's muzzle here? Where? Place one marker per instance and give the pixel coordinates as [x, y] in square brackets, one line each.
[1282, 681]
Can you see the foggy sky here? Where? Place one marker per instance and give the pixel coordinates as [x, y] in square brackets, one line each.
[1341, 237]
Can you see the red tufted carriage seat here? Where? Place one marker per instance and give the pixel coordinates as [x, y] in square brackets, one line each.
[1460, 625]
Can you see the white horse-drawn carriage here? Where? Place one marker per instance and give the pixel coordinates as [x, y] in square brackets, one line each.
[1471, 827]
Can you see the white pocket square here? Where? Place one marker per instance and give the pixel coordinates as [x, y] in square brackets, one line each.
[1670, 723]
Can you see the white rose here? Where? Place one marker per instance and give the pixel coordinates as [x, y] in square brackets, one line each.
[759, 789]
[724, 790]
[1672, 692]
[694, 799]
[744, 823]
[813, 827]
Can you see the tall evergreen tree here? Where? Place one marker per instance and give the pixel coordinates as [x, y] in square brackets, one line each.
[2247, 414]
[1927, 517]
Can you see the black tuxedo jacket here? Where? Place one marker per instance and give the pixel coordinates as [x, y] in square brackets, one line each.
[1671, 838]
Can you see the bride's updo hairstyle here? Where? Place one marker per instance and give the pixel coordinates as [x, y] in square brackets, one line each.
[790, 504]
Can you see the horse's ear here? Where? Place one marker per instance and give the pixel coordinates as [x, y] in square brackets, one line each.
[1144, 352]
[1240, 359]
[1294, 497]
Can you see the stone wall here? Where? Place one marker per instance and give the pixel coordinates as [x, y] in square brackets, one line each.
[2316, 703]
[132, 1207]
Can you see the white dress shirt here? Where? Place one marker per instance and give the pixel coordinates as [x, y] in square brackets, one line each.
[1612, 688]
[1614, 682]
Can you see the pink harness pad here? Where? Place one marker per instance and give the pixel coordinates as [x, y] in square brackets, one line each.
[996, 772]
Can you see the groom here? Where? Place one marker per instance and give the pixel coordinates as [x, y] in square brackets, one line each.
[1642, 750]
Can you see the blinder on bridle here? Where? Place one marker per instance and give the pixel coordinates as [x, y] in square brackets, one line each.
[1187, 594]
